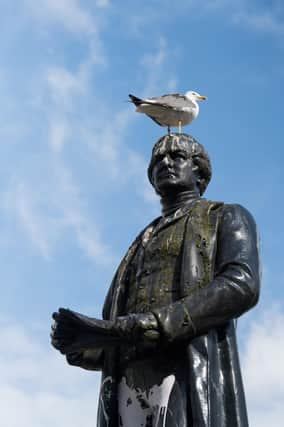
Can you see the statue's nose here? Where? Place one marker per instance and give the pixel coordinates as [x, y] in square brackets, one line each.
[167, 160]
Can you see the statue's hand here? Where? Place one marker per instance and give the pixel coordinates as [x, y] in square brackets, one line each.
[138, 327]
[64, 332]
[73, 332]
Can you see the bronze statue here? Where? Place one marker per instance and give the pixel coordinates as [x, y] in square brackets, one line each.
[166, 345]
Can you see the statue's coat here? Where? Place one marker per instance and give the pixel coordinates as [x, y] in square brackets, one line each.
[219, 282]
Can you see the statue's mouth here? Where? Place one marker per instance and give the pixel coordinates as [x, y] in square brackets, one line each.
[166, 173]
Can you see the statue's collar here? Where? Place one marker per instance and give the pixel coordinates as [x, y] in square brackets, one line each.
[163, 221]
[181, 201]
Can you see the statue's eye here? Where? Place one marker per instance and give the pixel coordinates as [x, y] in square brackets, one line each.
[178, 155]
[159, 158]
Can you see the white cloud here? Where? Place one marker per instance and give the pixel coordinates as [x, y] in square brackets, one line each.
[154, 63]
[64, 84]
[45, 201]
[38, 388]
[251, 15]
[67, 13]
[74, 218]
[48, 211]
[264, 22]
[36, 380]
[33, 223]
[58, 133]
[263, 370]
[244, 13]
[102, 3]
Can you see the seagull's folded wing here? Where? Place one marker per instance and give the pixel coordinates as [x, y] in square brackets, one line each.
[174, 101]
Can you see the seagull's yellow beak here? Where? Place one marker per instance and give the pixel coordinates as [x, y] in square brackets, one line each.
[201, 98]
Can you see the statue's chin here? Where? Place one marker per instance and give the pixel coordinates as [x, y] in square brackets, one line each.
[171, 189]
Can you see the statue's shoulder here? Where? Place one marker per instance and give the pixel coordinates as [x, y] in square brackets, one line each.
[237, 212]
[222, 207]
[232, 215]
[227, 212]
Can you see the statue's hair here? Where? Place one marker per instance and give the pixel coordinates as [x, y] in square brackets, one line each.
[198, 154]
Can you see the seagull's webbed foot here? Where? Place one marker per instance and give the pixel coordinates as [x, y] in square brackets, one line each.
[179, 126]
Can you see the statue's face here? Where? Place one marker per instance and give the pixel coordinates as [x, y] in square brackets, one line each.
[173, 169]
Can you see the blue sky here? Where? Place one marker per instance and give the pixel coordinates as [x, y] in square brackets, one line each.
[73, 172]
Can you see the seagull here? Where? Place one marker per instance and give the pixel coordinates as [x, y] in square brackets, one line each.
[170, 110]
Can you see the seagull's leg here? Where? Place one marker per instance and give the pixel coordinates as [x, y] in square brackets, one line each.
[169, 130]
[179, 126]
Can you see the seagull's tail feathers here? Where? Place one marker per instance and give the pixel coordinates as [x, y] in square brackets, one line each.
[136, 101]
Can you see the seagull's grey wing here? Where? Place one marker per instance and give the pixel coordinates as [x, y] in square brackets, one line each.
[174, 100]
[169, 95]
[155, 120]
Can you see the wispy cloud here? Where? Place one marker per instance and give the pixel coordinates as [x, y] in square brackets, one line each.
[49, 205]
[263, 369]
[102, 3]
[36, 380]
[47, 215]
[67, 13]
[64, 86]
[23, 203]
[46, 391]
[58, 134]
[249, 14]
[265, 22]
[154, 63]
[252, 15]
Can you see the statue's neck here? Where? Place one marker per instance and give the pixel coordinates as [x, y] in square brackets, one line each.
[176, 201]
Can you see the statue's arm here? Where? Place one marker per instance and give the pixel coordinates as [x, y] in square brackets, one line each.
[234, 289]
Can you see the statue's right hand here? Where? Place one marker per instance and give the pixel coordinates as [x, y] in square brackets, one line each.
[74, 332]
[63, 333]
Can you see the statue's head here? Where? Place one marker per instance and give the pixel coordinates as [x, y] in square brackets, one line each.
[179, 163]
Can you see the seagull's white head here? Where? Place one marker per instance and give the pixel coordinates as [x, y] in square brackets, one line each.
[194, 96]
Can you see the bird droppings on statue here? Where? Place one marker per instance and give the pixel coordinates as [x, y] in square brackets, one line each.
[172, 110]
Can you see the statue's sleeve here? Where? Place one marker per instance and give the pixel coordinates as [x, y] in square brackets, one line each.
[92, 359]
[234, 288]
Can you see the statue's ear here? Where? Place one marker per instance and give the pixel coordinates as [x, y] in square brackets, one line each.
[199, 178]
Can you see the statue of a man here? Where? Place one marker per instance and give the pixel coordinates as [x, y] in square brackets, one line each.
[167, 345]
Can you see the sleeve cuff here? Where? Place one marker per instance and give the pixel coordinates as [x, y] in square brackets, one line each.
[175, 322]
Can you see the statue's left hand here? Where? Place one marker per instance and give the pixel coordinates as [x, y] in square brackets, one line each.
[138, 327]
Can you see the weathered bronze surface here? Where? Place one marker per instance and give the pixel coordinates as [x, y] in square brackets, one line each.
[166, 345]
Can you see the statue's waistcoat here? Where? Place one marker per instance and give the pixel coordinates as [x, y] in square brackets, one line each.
[154, 272]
